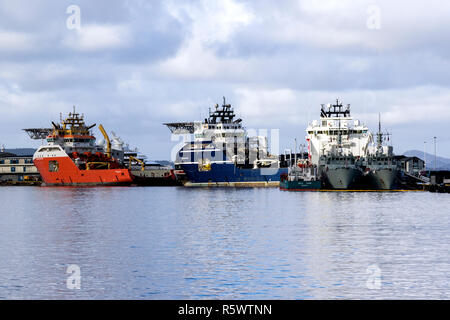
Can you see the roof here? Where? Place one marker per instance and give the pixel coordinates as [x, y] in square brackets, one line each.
[405, 158]
[21, 152]
[7, 155]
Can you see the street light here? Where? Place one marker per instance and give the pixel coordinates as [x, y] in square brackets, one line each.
[434, 153]
[424, 155]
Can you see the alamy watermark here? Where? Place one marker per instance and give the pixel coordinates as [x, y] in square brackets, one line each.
[373, 21]
[374, 280]
[74, 279]
[73, 22]
[240, 150]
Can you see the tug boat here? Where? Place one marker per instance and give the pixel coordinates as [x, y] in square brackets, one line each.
[301, 177]
[71, 157]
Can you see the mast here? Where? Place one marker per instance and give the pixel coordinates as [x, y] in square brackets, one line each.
[379, 135]
[295, 151]
[339, 138]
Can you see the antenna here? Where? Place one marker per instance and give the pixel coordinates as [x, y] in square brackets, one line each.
[379, 135]
[379, 122]
[295, 151]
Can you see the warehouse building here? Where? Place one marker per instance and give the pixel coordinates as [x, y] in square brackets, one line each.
[14, 167]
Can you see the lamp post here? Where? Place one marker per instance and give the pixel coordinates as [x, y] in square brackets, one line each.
[434, 153]
[424, 155]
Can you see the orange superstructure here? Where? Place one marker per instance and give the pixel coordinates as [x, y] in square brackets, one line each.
[71, 157]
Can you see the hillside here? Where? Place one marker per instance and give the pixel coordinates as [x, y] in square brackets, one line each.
[441, 162]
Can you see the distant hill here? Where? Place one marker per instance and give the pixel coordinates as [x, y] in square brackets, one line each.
[165, 163]
[441, 162]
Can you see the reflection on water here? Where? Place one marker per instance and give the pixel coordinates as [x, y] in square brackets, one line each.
[182, 243]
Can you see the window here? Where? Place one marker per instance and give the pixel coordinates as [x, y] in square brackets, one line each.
[53, 166]
[24, 169]
[13, 169]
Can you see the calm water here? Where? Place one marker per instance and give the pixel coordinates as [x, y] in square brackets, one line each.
[180, 243]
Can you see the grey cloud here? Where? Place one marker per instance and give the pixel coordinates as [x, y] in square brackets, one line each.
[296, 54]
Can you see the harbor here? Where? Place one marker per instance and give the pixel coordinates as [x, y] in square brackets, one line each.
[342, 155]
[218, 156]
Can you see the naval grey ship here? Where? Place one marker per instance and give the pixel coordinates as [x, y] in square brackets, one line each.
[340, 171]
[381, 166]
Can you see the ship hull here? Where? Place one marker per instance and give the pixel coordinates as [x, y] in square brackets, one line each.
[68, 174]
[229, 175]
[342, 178]
[383, 179]
[300, 185]
[145, 179]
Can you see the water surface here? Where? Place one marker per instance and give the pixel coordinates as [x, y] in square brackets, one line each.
[220, 243]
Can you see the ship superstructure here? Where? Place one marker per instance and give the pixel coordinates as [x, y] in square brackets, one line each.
[221, 152]
[337, 132]
[71, 156]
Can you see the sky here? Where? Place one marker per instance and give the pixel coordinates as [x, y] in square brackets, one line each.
[133, 65]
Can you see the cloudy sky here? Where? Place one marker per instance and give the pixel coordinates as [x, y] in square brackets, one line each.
[132, 65]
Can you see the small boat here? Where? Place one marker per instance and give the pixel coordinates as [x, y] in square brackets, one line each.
[302, 177]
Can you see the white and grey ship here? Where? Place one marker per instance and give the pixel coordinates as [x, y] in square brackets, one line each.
[344, 151]
[337, 144]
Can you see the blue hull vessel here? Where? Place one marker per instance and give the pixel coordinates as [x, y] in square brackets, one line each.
[222, 154]
[227, 174]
